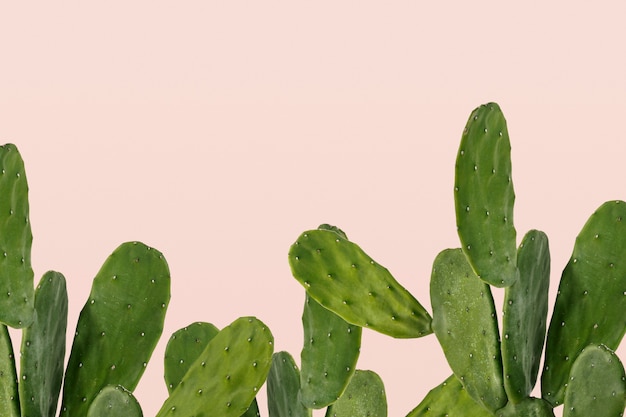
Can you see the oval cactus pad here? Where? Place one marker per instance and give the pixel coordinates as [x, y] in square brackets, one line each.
[484, 197]
[283, 387]
[364, 397]
[344, 279]
[114, 401]
[449, 399]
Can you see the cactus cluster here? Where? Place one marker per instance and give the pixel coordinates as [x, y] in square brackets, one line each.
[220, 372]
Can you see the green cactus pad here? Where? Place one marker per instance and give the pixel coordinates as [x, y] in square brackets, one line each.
[528, 407]
[329, 355]
[525, 317]
[597, 385]
[344, 279]
[114, 402]
[283, 386]
[119, 326]
[449, 399]
[43, 349]
[9, 401]
[484, 197]
[364, 397]
[226, 377]
[253, 410]
[17, 300]
[183, 348]
[591, 301]
[465, 323]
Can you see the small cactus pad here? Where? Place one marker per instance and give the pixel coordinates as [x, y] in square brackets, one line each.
[183, 348]
[525, 317]
[43, 349]
[9, 403]
[114, 401]
[344, 279]
[597, 385]
[449, 399]
[364, 397]
[464, 321]
[528, 407]
[484, 197]
[119, 326]
[16, 274]
[329, 355]
[226, 377]
[591, 300]
[283, 386]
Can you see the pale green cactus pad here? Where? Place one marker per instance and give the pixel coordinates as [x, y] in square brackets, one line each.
[364, 397]
[464, 321]
[449, 399]
[484, 197]
[283, 387]
[114, 402]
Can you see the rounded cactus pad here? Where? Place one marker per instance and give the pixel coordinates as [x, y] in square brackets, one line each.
[114, 401]
[364, 397]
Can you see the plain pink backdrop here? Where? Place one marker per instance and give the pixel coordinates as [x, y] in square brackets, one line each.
[218, 131]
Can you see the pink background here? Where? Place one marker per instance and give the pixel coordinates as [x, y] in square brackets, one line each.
[218, 131]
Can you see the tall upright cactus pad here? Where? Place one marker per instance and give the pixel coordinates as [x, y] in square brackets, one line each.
[591, 303]
[484, 197]
[464, 321]
[364, 397]
[329, 355]
[449, 399]
[344, 279]
[9, 402]
[114, 401]
[43, 349]
[525, 316]
[119, 326]
[597, 385]
[226, 377]
[17, 291]
[182, 350]
[283, 387]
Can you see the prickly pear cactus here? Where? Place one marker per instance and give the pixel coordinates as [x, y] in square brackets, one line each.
[527, 407]
[449, 399]
[364, 397]
[114, 401]
[525, 317]
[464, 321]
[484, 197]
[597, 384]
[9, 402]
[591, 301]
[119, 325]
[283, 387]
[16, 274]
[225, 378]
[345, 280]
[43, 349]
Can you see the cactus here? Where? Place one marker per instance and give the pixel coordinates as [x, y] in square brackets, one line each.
[449, 399]
[591, 302]
[283, 388]
[329, 356]
[527, 407]
[525, 316]
[9, 401]
[484, 197]
[345, 280]
[225, 378]
[116, 401]
[17, 304]
[364, 397]
[596, 384]
[465, 325]
[43, 349]
[119, 325]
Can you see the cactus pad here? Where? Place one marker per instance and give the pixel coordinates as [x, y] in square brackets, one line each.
[329, 355]
[119, 325]
[114, 401]
[364, 397]
[464, 321]
[528, 407]
[591, 301]
[226, 377]
[283, 386]
[9, 401]
[449, 399]
[344, 279]
[43, 349]
[525, 316]
[484, 197]
[17, 291]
